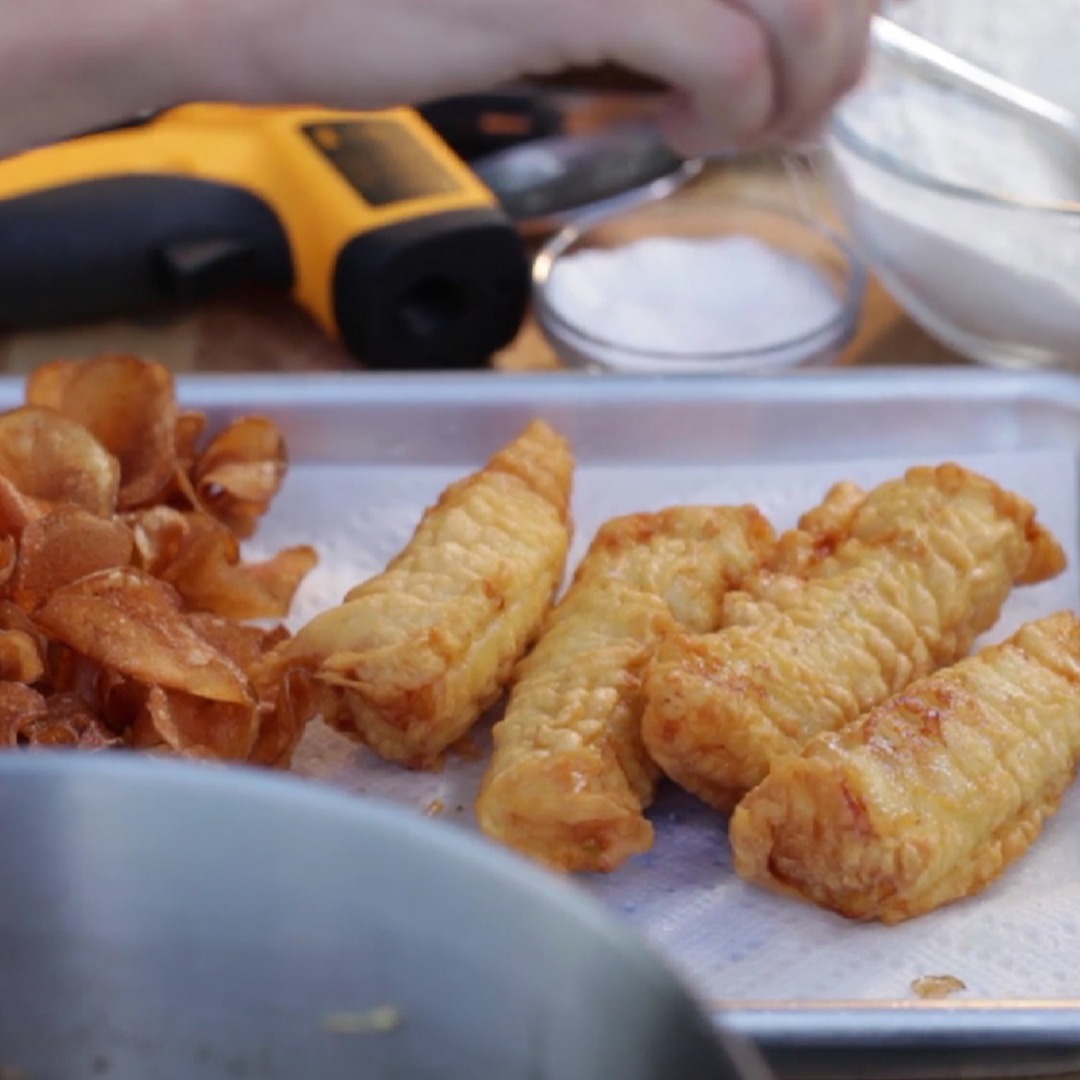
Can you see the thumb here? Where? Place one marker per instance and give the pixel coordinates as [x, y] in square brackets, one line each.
[715, 58]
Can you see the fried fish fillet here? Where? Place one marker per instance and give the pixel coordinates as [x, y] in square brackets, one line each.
[930, 796]
[412, 657]
[570, 779]
[895, 584]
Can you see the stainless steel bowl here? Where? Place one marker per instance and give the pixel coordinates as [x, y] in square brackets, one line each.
[182, 921]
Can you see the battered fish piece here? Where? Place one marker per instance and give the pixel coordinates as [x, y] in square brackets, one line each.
[570, 778]
[897, 583]
[412, 657]
[931, 795]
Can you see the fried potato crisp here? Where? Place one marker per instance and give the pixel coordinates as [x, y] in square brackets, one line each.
[63, 546]
[131, 623]
[20, 706]
[237, 476]
[128, 405]
[200, 558]
[122, 584]
[28, 718]
[21, 658]
[48, 460]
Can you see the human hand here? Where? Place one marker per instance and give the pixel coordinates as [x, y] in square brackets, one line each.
[741, 71]
[778, 67]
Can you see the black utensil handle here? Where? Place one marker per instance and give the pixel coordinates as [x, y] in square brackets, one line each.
[116, 245]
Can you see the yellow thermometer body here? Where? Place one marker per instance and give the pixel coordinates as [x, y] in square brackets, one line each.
[368, 219]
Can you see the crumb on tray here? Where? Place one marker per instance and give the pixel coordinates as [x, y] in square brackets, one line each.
[377, 1021]
[933, 987]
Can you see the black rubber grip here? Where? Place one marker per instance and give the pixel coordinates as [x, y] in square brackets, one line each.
[442, 291]
[120, 245]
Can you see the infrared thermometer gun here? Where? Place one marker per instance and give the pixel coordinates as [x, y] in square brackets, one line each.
[367, 219]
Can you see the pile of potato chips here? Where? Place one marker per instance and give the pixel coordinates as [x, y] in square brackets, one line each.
[122, 588]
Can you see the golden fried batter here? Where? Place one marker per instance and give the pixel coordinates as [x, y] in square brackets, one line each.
[413, 656]
[896, 584]
[570, 778]
[930, 796]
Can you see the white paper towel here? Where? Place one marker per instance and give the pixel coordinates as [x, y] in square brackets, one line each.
[734, 942]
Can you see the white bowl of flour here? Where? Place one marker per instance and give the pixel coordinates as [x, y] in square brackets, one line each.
[969, 218]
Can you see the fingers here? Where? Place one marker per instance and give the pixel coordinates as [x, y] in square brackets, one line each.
[818, 48]
[856, 46]
[743, 71]
[716, 58]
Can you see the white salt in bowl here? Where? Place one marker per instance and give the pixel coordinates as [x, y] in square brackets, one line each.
[966, 217]
[691, 286]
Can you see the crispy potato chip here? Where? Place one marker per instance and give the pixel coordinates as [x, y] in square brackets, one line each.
[19, 705]
[51, 458]
[243, 590]
[120, 702]
[128, 621]
[189, 725]
[74, 714]
[283, 719]
[189, 430]
[28, 718]
[63, 546]
[184, 493]
[159, 533]
[207, 572]
[12, 617]
[23, 648]
[243, 644]
[45, 385]
[16, 510]
[67, 721]
[201, 559]
[21, 658]
[238, 474]
[188, 433]
[121, 581]
[271, 584]
[69, 672]
[129, 405]
[286, 703]
[9, 552]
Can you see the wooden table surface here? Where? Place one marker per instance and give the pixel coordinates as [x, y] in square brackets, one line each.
[263, 333]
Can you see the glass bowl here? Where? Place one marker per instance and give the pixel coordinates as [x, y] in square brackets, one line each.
[961, 212]
[697, 285]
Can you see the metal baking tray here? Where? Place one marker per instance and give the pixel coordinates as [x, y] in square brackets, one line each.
[369, 451]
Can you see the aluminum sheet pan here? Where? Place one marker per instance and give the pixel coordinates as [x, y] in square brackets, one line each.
[823, 997]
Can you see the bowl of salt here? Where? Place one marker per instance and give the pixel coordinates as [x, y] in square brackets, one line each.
[688, 286]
